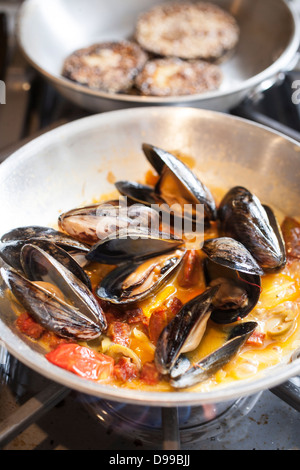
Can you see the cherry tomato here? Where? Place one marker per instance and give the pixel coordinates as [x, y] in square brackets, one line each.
[82, 361]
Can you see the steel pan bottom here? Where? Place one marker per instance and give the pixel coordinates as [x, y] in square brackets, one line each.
[144, 424]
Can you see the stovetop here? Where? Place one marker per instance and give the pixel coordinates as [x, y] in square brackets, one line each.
[78, 422]
[36, 414]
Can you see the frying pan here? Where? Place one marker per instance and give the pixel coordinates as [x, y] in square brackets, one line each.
[69, 167]
[49, 30]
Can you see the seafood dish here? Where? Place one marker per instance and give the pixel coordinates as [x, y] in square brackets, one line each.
[115, 293]
[174, 51]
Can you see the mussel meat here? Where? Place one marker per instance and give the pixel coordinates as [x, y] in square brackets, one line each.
[136, 281]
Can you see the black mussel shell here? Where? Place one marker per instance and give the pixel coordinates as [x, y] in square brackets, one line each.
[111, 287]
[51, 312]
[244, 218]
[232, 254]
[132, 246]
[47, 233]
[210, 364]
[171, 215]
[41, 266]
[230, 264]
[199, 193]
[138, 193]
[187, 326]
[92, 223]
[10, 252]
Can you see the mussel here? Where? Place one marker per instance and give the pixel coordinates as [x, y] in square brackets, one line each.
[210, 364]
[136, 281]
[139, 193]
[230, 266]
[75, 314]
[45, 233]
[177, 181]
[132, 245]
[92, 223]
[185, 331]
[10, 252]
[243, 217]
[177, 191]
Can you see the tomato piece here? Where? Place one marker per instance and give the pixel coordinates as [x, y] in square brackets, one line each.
[82, 361]
[256, 339]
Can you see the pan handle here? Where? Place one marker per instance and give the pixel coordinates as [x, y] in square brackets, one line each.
[249, 107]
[277, 79]
[289, 391]
[247, 110]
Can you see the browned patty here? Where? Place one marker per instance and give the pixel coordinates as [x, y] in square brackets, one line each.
[187, 30]
[107, 66]
[175, 77]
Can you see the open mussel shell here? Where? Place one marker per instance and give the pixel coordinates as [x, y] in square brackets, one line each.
[170, 214]
[278, 233]
[193, 190]
[184, 332]
[210, 364]
[131, 246]
[41, 266]
[92, 223]
[231, 266]
[138, 193]
[46, 233]
[136, 281]
[10, 252]
[243, 217]
[50, 311]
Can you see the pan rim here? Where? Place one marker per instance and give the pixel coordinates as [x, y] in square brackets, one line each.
[22, 351]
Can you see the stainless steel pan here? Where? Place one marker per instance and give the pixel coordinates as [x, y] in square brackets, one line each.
[49, 30]
[69, 166]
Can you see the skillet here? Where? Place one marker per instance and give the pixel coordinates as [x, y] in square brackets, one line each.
[49, 30]
[72, 165]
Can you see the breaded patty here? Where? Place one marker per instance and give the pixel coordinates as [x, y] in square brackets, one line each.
[107, 66]
[175, 77]
[187, 30]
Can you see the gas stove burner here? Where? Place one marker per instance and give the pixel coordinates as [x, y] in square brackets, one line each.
[145, 424]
